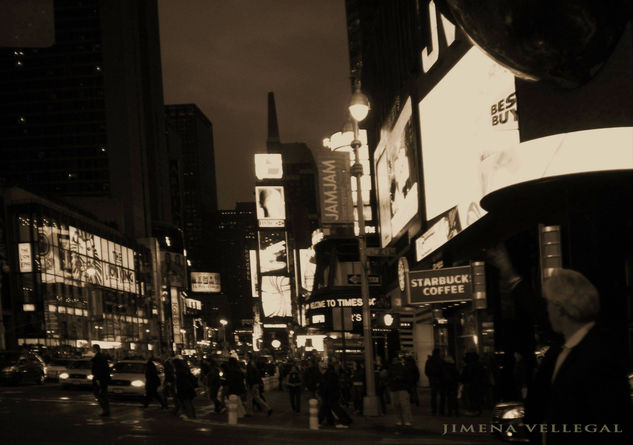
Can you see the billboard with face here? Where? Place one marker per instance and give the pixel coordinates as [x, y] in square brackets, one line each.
[397, 186]
[271, 205]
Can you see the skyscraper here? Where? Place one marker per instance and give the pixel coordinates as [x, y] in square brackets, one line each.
[199, 190]
[83, 118]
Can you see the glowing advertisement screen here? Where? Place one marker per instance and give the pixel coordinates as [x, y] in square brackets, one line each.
[271, 205]
[205, 282]
[307, 261]
[268, 166]
[397, 187]
[584, 151]
[76, 257]
[273, 256]
[252, 258]
[469, 115]
[276, 296]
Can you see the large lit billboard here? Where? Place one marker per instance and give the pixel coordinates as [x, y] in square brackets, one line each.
[558, 155]
[273, 256]
[307, 261]
[276, 296]
[205, 282]
[397, 186]
[469, 114]
[271, 205]
[268, 166]
[335, 192]
[69, 255]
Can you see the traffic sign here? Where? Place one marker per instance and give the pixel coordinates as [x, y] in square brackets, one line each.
[354, 279]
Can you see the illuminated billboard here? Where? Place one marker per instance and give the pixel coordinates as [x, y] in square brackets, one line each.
[469, 114]
[268, 166]
[558, 155]
[205, 282]
[73, 256]
[252, 256]
[271, 205]
[273, 255]
[397, 186]
[276, 296]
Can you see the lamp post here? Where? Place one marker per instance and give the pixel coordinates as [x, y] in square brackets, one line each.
[358, 109]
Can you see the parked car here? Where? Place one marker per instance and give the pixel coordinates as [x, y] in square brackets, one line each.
[128, 377]
[78, 373]
[18, 367]
[55, 367]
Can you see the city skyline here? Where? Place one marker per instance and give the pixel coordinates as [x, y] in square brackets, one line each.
[223, 60]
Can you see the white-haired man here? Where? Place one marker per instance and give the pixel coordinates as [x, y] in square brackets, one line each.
[580, 392]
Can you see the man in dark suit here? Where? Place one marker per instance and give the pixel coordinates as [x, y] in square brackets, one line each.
[580, 392]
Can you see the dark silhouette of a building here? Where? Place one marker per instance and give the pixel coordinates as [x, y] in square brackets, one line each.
[83, 119]
[194, 165]
[237, 235]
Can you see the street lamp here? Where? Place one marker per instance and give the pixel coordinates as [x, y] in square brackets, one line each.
[358, 109]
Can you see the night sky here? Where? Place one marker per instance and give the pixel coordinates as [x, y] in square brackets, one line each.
[225, 56]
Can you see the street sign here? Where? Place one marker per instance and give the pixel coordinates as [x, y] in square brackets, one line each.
[354, 279]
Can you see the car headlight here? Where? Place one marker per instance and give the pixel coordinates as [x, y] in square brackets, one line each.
[89, 376]
[10, 369]
[514, 413]
[138, 383]
[221, 373]
[195, 371]
[63, 375]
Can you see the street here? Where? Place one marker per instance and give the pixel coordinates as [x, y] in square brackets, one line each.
[50, 414]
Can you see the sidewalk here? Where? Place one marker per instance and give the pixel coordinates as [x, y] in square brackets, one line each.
[284, 418]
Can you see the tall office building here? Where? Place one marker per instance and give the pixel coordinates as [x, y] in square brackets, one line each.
[83, 118]
[199, 191]
[237, 235]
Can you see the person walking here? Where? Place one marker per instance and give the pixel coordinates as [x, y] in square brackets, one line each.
[311, 376]
[294, 385]
[398, 384]
[152, 382]
[330, 412]
[582, 380]
[101, 379]
[213, 383]
[235, 384]
[169, 384]
[433, 369]
[253, 380]
[185, 387]
[449, 387]
[413, 376]
[475, 381]
[358, 386]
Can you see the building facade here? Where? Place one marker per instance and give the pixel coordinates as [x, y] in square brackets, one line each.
[469, 159]
[69, 280]
[198, 180]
